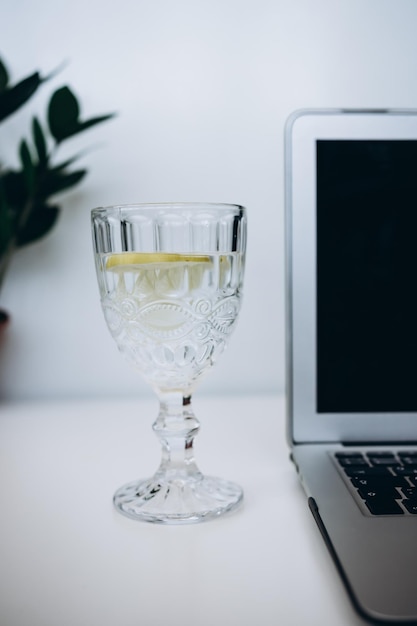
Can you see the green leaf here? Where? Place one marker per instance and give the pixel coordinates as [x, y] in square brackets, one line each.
[63, 115]
[39, 141]
[4, 77]
[11, 99]
[27, 165]
[14, 189]
[67, 163]
[57, 181]
[63, 112]
[6, 221]
[40, 221]
[89, 123]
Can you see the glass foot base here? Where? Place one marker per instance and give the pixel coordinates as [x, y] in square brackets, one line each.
[177, 501]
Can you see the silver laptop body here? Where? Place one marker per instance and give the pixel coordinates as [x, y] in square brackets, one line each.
[351, 266]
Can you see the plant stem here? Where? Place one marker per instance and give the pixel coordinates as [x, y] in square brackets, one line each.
[5, 258]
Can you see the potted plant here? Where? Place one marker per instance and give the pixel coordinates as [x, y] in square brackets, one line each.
[28, 207]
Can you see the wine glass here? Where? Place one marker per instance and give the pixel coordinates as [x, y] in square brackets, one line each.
[170, 278]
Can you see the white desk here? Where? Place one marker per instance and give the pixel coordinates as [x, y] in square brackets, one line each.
[67, 558]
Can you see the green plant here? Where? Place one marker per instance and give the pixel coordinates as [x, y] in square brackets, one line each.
[28, 208]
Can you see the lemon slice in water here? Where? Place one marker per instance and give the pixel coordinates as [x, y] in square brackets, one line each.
[155, 258]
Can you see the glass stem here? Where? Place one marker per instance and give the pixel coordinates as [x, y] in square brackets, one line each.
[176, 426]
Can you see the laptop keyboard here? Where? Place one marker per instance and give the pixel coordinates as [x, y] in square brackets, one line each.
[385, 482]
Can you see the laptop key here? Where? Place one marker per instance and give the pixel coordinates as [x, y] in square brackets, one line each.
[382, 457]
[386, 460]
[367, 471]
[379, 454]
[408, 453]
[411, 506]
[409, 461]
[400, 470]
[381, 506]
[353, 461]
[350, 454]
[409, 492]
[379, 493]
[378, 482]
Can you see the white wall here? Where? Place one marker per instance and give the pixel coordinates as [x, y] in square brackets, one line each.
[202, 89]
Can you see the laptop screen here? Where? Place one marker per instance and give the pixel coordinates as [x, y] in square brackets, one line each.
[366, 318]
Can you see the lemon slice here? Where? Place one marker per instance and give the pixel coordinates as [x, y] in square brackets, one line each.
[145, 258]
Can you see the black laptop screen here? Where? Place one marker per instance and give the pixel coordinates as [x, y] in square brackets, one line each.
[366, 276]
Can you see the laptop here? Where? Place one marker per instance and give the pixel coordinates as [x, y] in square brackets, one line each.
[351, 257]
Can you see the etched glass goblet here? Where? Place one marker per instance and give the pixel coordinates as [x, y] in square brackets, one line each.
[170, 278]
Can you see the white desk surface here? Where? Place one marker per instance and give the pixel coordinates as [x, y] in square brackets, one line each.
[67, 558]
